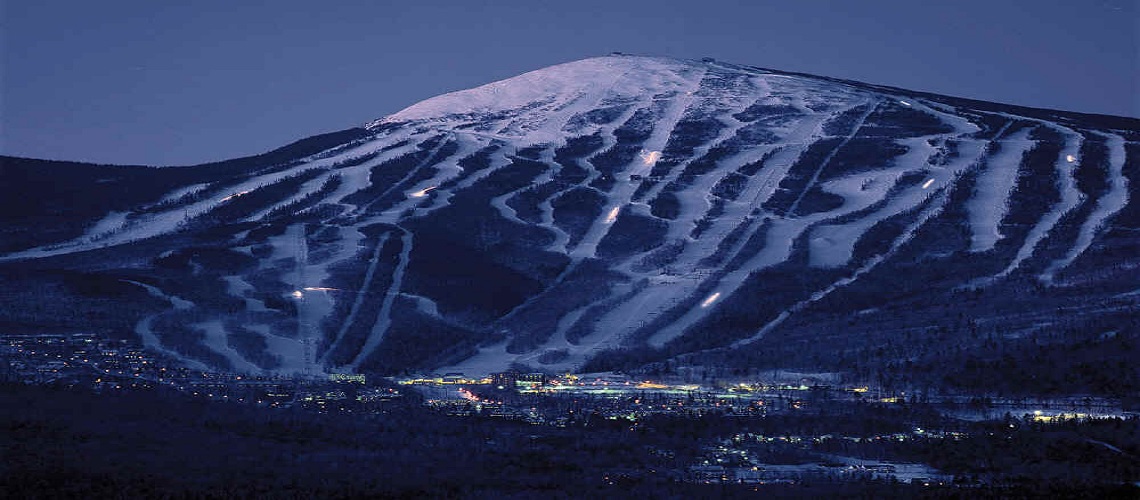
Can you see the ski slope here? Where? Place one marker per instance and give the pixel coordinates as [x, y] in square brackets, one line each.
[691, 179]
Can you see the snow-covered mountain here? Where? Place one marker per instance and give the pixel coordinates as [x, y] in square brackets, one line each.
[614, 211]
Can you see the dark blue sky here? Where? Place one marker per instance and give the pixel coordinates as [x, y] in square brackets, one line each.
[164, 83]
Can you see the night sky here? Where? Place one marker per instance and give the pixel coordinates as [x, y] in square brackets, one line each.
[173, 83]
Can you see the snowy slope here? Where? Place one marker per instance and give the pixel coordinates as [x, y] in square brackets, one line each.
[614, 204]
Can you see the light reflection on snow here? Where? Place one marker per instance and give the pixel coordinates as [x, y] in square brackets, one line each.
[1070, 158]
[711, 298]
[612, 216]
[650, 157]
[421, 193]
[235, 195]
[927, 183]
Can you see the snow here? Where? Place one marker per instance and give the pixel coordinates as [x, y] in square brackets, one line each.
[995, 184]
[546, 207]
[659, 296]
[833, 245]
[558, 91]
[305, 190]
[442, 197]
[488, 360]
[151, 341]
[778, 244]
[544, 107]
[126, 230]
[654, 299]
[369, 275]
[622, 194]
[500, 204]
[356, 178]
[146, 334]
[711, 298]
[237, 286]
[289, 352]
[823, 164]
[870, 264]
[859, 191]
[1070, 198]
[384, 320]
[150, 225]
[763, 185]
[1108, 205]
[112, 222]
[216, 338]
[177, 303]
[423, 304]
[314, 301]
[694, 200]
[180, 193]
[536, 109]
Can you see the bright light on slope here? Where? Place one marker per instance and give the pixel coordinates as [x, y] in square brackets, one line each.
[320, 289]
[421, 193]
[613, 215]
[235, 195]
[650, 157]
[1071, 158]
[927, 183]
[297, 294]
[712, 298]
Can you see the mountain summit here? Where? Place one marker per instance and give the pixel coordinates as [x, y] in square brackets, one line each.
[615, 212]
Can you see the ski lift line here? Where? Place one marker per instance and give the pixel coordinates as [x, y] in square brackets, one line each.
[358, 303]
[826, 160]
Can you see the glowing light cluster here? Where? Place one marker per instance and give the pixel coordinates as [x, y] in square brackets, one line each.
[651, 385]
[711, 298]
[650, 157]
[927, 183]
[421, 193]
[235, 195]
[612, 216]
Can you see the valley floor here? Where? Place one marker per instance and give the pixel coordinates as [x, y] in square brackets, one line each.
[104, 430]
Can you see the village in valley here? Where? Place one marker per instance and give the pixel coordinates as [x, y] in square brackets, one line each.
[782, 427]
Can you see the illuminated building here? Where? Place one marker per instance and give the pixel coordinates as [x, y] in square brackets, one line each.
[348, 378]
